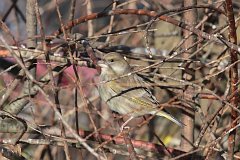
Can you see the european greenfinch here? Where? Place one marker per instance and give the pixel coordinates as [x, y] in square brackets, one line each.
[126, 94]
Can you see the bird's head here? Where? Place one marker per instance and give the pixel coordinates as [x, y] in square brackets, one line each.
[114, 63]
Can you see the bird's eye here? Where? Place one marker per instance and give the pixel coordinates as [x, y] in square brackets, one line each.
[111, 60]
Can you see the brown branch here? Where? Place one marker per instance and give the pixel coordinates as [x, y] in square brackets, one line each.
[90, 53]
[129, 145]
[188, 117]
[28, 54]
[214, 37]
[233, 76]
[154, 14]
[147, 146]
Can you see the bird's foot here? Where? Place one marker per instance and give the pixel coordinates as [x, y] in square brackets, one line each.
[124, 127]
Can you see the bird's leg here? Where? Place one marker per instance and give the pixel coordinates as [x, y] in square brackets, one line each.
[125, 123]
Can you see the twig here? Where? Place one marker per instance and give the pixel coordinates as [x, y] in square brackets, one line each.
[233, 76]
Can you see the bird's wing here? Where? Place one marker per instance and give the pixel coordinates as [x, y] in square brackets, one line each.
[132, 89]
[138, 97]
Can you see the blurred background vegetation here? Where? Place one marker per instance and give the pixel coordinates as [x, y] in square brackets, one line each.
[191, 74]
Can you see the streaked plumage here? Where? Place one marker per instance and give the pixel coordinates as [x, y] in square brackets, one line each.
[127, 95]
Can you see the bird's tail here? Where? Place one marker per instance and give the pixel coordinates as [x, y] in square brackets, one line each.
[168, 116]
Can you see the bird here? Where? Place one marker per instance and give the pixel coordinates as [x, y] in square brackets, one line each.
[125, 92]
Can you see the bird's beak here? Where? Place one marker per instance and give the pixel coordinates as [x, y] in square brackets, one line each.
[102, 64]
